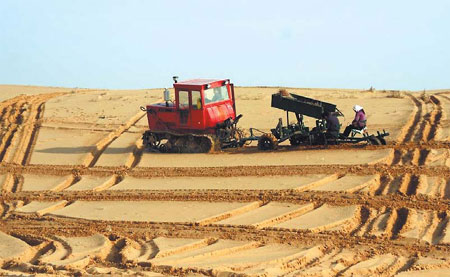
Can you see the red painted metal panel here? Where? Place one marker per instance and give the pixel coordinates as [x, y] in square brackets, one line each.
[195, 119]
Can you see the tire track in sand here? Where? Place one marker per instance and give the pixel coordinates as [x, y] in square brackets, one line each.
[393, 200]
[435, 117]
[340, 239]
[320, 260]
[21, 118]
[92, 158]
[149, 172]
[100, 146]
[13, 118]
[421, 129]
[30, 140]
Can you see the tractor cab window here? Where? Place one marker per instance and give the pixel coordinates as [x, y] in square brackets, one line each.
[183, 99]
[213, 95]
[196, 100]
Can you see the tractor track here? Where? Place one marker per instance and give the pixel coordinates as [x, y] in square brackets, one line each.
[100, 147]
[151, 172]
[321, 249]
[420, 131]
[435, 117]
[411, 125]
[13, 119]
[21, 118]
[34, 134]
[135, 230]
[395, 200]
[136, 156]
[4, 209]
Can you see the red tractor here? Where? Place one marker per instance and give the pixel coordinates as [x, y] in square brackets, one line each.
[202, 117]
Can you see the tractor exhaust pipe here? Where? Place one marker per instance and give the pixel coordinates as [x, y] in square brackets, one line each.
[175, 79]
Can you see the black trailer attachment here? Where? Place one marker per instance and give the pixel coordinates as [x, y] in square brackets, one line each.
[298, 133]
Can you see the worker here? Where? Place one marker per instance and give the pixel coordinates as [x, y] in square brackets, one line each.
[217, 95]
[284, 93]
[359, 122]
[332, 124]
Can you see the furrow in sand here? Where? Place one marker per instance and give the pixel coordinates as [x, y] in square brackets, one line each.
[400, 222]
[435, 119]
[30, 138]
[10, 137]
[410, 128]
[91, 159]
[22, 125]
[275, 170]
[393, 200]
[297, 237]
[181, 256]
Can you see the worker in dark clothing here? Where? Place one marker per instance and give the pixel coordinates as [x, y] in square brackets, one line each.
[332, 124]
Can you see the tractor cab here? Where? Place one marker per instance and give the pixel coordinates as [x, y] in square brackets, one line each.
[199, 105]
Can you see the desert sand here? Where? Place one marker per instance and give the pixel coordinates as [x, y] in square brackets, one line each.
[81, 196]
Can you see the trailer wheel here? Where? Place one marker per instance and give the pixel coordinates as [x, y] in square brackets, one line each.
[267, 142]
[374, 141]
[296, 140]
[164, 148]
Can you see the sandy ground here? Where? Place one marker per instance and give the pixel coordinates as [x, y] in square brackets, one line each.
[80, 195]
[218, 183]
[11, 91]
[311, 157]
[153, 211]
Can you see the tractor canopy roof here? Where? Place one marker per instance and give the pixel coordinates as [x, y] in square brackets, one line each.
[200, 82]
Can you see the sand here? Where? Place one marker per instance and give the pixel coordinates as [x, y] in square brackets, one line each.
[387, 264]
[433, 186]
[120, 151]
[2, 180]
[446, 231]
[349, 183]
[217, 183]
[77, 252]
[443, 133]
[425, 273]
[422, 226]
[220, 245]
[439, 157]
[64, 147]
[268, 215]
[81, 196]
[41, 208]
[323, 218]
[11, 91]
[313, 157]
[47, 182]
[162, 247]
[92, 183]
[154, 211]
[89, 107]
[260, 256]
[12, 247]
